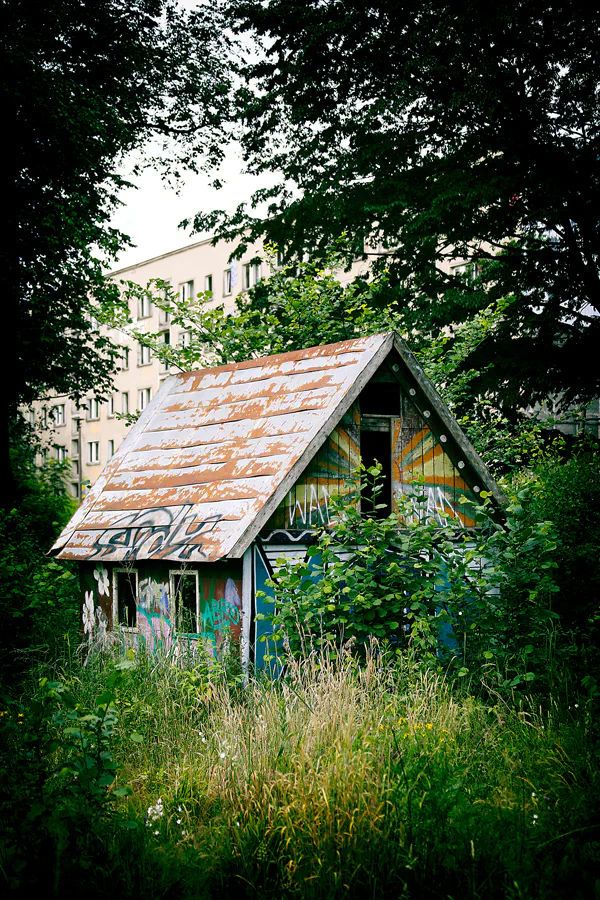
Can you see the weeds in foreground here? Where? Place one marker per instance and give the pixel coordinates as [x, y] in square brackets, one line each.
[342, 778]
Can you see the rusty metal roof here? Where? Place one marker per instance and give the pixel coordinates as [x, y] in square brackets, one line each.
[215, 452]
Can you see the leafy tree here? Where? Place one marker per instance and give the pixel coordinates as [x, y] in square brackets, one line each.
[440, 131]
[296, 307]
[85, 83]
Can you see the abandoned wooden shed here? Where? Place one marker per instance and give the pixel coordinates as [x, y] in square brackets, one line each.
[232, 467]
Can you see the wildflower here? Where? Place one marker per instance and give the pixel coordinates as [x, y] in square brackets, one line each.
[179, 809]
[429, 726]
[179, 821]
[155, 812]
[222, 755]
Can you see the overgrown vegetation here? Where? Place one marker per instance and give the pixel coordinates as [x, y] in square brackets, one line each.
[374, 764]
[371, 778]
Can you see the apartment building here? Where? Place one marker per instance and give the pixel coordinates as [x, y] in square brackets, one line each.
[89, 436]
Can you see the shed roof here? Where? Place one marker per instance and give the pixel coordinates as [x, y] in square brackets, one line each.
[216, 450]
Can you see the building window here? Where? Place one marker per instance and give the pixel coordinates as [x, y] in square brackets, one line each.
[166, 338]
[185, 600]
[58, 415]
[75, 489]
[125, 357]
[185, 339]
[75, 449]
[144, 355]
[164, 315]
[75, 464]
[186, 290]
[251, 274]
[144, 307]
[93, 454]
[112, 401]
[208, 283]
[227, 281]
[111, 449]
[125, 591]
[61, 452]
[125, 403]
[144, 396]
[93, 409]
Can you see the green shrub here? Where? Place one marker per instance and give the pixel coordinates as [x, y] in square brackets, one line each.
[468, 601]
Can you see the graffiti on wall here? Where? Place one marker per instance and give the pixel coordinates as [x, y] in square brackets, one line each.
[220, 611]
[153, 622]
[329, 474]
[166, 530]
[95, 623]
[421, 457]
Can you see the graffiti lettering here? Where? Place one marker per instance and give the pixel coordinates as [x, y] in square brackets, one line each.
[155, 533]
[309, 511]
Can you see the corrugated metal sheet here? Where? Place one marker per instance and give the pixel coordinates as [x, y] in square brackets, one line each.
[215, 452]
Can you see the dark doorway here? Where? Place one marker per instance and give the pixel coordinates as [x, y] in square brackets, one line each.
[375, 446]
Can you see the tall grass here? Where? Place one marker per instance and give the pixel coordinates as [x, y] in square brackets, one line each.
[342, 779]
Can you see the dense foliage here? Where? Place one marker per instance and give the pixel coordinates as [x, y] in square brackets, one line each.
[84, 84]
[38, 602]
[433, 130]
[477, 602]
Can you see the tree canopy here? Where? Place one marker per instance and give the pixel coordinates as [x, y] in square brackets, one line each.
[434, 131]
[84, 84]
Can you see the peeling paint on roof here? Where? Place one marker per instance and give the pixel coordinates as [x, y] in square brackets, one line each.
[215, 452]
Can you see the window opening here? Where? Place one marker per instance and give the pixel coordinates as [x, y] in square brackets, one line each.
[184, 590]
[376, 446]
[125, 588]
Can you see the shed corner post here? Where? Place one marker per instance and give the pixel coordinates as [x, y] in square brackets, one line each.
[247, 593]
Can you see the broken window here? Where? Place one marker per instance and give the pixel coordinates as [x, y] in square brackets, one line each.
[125, 599]
[184, 594]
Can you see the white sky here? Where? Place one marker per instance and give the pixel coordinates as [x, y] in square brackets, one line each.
[150, 215]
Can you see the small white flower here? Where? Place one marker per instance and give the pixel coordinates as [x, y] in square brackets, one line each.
[179, 821]
[533, 793]
[203, 740]
[577, 706]
[222, 755]
[156, 832]
[238, 824]
[179, 809]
